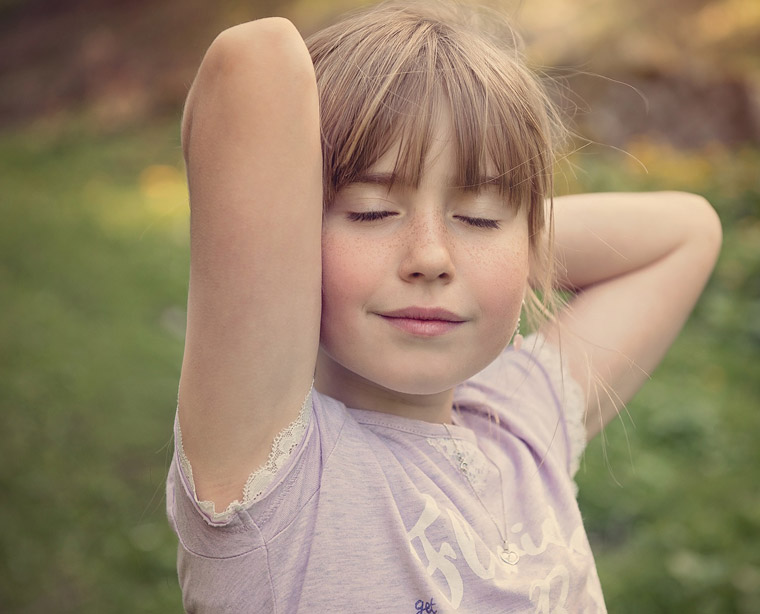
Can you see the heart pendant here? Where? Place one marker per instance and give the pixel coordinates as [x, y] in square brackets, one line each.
[509, 557]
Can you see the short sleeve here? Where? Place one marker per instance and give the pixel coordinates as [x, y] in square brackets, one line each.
[569, 393]
[283, 446]
[274, 494]
[532, 395]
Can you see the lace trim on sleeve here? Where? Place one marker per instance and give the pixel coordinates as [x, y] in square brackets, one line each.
[283, 447]
[570, 393]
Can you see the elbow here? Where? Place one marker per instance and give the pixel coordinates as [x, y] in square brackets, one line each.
[254, 65]
[704, 232]
[263, 49]
[708, 225]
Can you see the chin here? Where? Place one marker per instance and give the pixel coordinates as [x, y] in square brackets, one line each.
[412, 382]
[418, 388]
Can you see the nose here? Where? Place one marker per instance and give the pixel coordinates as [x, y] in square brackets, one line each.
[427, 251]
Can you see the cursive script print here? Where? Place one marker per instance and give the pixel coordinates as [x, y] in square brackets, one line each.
[446, 560]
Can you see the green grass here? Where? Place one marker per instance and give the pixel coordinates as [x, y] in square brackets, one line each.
[93, 270]
[93, 281]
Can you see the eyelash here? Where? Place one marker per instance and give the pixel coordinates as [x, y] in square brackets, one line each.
[369, 216]
[479, 222]
[373, 216]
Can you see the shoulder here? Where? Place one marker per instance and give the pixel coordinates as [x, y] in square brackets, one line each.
[532, 394]
[307, 441]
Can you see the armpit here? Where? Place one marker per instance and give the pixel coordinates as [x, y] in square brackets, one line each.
[283, 446]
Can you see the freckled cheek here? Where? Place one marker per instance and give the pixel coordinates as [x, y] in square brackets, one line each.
[348, 273]
[336, 291]
[502, 285]
[334, 270]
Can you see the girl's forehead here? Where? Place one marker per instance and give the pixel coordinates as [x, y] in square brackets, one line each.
[404, 141]
[442, 153]
[432, 143]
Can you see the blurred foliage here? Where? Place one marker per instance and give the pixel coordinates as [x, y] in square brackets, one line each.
[93, 268]
[125, 61]
[716, 34]
[93, 273]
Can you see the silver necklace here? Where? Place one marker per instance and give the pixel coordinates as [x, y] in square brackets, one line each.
[505, 551]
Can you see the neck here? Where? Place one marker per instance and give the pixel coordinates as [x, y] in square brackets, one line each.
[360, 393]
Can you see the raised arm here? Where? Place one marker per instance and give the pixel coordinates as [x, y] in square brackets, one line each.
[637, 263]
[251, 141]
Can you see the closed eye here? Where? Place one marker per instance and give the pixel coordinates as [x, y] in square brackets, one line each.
[479, 222]
[369, 216]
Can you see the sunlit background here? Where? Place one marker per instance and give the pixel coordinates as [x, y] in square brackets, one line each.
[93, 274]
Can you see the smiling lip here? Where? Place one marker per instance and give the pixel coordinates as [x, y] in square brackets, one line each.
[423, 321]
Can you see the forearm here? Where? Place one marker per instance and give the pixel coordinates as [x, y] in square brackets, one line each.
[599, 237]
[637, 264]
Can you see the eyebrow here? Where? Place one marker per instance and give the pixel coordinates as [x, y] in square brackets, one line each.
[384, 179]
[389, 179]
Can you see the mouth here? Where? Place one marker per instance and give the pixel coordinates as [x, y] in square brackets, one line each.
[423, 321]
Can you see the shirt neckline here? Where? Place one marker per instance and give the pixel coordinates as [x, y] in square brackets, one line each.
[410, 425]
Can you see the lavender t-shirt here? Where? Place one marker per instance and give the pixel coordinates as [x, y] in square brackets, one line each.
[377, 513]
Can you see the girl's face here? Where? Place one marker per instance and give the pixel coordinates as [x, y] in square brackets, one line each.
[422, 287]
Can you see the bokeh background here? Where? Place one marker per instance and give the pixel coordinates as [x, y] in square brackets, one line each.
[93, 274]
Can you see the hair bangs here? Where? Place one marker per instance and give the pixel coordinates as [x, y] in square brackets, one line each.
[472, 125]
[374, 101]
[502, 128]
[408, 118]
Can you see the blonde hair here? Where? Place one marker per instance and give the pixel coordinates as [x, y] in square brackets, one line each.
[384, 75]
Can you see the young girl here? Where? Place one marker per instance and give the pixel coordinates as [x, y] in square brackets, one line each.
[369, 217]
